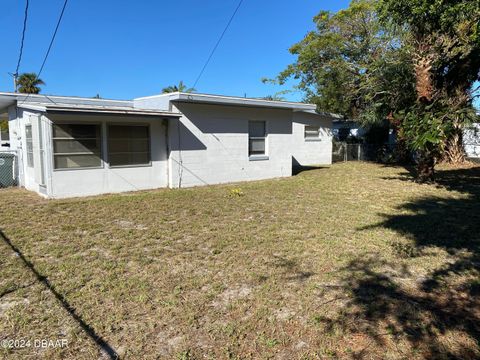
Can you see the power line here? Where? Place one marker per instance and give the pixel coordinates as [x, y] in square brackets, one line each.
[218, 43]
[50, 47]
[25, 18]
[53, 37]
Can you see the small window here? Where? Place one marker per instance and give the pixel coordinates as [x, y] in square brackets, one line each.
[29, 145]
[312, 132]
[4, 135]
[76, 146]
[256, 138]
[128, 145]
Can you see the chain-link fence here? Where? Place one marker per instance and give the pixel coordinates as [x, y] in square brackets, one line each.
[347, 152]
[8, 168]
[363, 152]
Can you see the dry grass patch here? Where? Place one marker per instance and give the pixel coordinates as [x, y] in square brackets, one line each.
[347, 262]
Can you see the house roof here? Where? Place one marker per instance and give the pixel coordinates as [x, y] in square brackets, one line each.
[8, 98]
[55, 103]
[51, 103]
[231, 100]
[336, 117]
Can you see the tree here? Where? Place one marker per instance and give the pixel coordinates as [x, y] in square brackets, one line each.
[29, 83]
[412, 62]
[278, 96]
[353, 65]
[443, 38]
[181, 87]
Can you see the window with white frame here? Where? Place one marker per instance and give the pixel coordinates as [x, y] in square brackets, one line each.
[312, 132]
[77, 146]
[257, 134]
[128, 145]
[29, 145]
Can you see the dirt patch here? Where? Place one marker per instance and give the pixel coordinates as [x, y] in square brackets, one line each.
[229, 296]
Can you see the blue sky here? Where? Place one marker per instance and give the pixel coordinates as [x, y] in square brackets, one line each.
[125, 49]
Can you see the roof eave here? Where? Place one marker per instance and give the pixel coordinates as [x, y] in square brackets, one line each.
[52, 109]
[237, 101]
[112, 111]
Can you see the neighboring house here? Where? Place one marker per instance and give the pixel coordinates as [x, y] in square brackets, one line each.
[471, 140]
[344, 129]
[71, 146]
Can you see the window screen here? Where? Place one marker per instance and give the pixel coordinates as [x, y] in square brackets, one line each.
[29, 145]
[256, 137]
[4, 134]
[312, 132]
[76, 146]
[128, 145]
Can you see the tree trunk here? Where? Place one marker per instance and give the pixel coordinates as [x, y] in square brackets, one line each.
[402, 154]
[455, 152]
[426, 168]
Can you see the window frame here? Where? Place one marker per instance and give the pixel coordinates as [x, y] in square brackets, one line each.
[143, 124]
[255, 157]
[311, 138]
[30, 154]
[66, 122]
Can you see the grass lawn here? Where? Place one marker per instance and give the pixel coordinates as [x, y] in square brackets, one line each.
[352, 261]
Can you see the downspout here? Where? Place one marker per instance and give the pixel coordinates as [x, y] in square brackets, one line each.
[167, 148]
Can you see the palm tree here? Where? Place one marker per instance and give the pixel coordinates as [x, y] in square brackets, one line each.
[274, 97]
[28, 83]
[181, 87]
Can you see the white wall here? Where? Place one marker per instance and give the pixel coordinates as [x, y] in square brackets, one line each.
[82, 182]
[214, 145]
[311, 152]
[18, 118]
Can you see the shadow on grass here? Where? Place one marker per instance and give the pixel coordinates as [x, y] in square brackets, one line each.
[438, 315]
[299, 169]
[99, 341]
[290, 269]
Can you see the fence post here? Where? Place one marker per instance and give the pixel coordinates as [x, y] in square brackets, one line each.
[345, 151]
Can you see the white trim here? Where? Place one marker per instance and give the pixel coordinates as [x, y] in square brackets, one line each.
[258, 158]
[32, 107]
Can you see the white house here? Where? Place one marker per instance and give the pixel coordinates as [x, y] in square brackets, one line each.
[71, 146]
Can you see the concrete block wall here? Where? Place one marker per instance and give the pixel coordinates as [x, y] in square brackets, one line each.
[209, 145]
[311, 152]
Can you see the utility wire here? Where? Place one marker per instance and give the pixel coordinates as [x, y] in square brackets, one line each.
[53, 37]
[218, 43]
[25, 18]
[50, 47]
